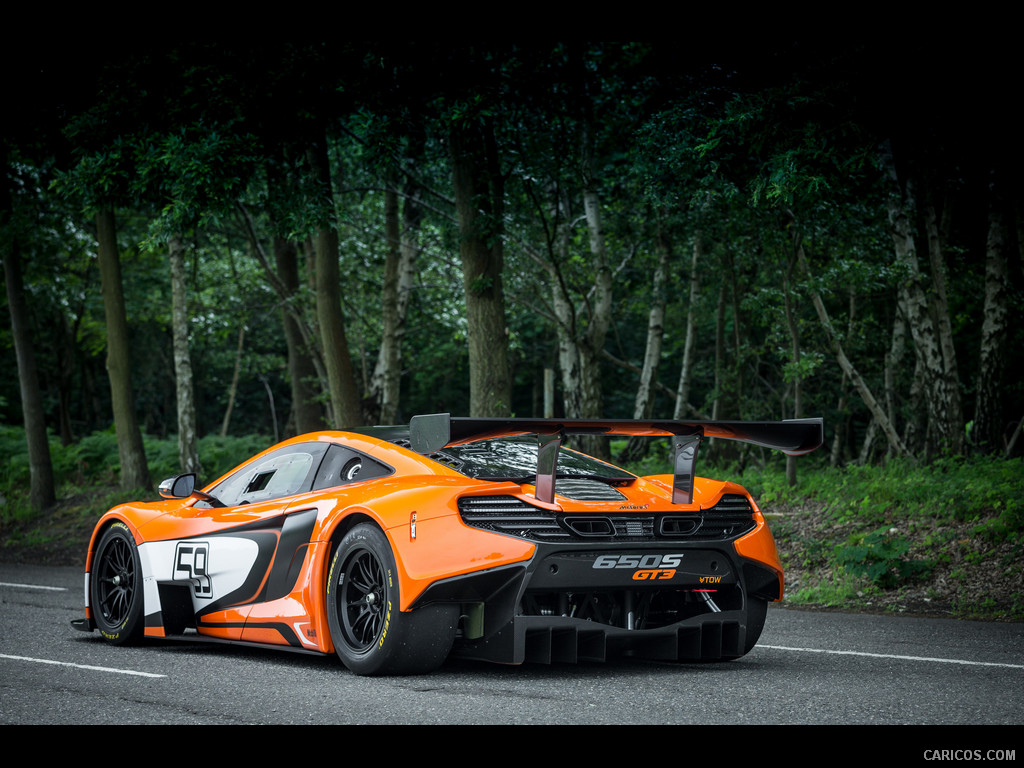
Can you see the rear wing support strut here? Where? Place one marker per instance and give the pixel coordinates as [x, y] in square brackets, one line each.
[684, 467]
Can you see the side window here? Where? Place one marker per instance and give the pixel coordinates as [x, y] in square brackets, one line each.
[284, 472]
[343, 465]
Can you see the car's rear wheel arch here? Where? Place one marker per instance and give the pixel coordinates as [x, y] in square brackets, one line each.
[343, 526]
[406, 642]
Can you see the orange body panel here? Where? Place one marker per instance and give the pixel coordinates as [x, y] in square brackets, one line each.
[444, 547]
[759, 546]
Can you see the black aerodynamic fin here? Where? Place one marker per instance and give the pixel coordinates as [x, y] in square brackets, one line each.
[794, 437]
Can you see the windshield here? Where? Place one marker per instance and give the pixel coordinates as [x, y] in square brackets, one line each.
[516, 459]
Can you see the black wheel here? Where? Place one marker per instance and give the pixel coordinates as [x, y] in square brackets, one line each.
[115, 587]
[757, 612]
[370, 634]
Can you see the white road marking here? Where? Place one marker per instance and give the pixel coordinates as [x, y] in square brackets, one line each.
[894, 656]
[32, 586]
[81, 666]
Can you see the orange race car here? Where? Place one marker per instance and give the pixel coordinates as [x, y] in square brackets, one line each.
[396, 546]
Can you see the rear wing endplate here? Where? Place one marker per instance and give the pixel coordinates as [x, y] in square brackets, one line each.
[794, 437]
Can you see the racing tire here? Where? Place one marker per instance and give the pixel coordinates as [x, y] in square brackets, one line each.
[370, 634]
[115, 587]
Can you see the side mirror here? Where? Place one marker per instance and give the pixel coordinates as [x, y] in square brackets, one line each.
[180, 487]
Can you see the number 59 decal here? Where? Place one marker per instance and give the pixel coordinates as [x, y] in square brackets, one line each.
[190, 562]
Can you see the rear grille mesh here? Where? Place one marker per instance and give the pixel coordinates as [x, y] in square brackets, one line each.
[732, 516]
[587, 490]
[507, 514]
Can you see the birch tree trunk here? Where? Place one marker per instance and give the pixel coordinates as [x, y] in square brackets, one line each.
[683, 406]
[795, 359]
[403, 247]
[942, 389]
[986, 432]
[233, 388]
[893, 357]
[302, 373]
[188, 452]
[580, 330]
[134, 469]
[840, 428]
[643, 406]
[582, 377]
[716, 407]
[940, 302]
[844, 362]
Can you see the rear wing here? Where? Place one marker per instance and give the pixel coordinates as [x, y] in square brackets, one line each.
[794, 437]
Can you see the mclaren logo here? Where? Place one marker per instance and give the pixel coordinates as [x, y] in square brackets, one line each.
[633, 506]
[191, 563]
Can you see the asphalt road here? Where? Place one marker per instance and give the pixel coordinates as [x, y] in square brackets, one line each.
[810, 668]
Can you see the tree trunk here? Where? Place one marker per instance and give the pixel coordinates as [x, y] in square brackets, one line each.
[345, 406]
[643, 404]
[844, 362]
[716, 407]
[286, 287]
[41, 486]
[893, 358]
[479, 204]
[986, 433]
[233, 389]
[577, 359]
[942, 393]
[188, 452]
[134, 470]
[601, 306]
[403, 248]
[795, 358]
[683, 406]
[940, 304]
[839, 433]
[582, 333]
[302, 374]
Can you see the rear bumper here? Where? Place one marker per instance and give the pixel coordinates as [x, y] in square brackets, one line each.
[573, 604]
[550, 640]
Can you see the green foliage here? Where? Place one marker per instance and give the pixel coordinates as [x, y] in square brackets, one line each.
[888, 527]
[948, 489]
[93, 462]
[841, 589]
[880, 557]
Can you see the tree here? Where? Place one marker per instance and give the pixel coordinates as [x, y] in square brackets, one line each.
[989, 417]
[41, 484]
[402, 248]
[188, 453]
[345, 410]
[134, 469]
[479, 189]
[928, 321]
